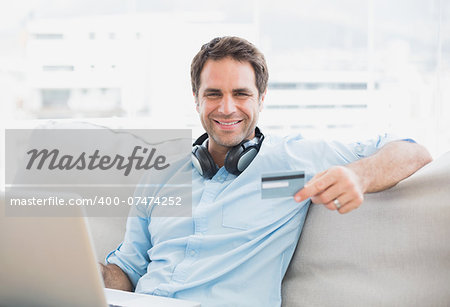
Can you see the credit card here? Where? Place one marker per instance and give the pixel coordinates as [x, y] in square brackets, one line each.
[281, 184]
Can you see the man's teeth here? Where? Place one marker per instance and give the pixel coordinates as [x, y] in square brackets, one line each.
[229, 124]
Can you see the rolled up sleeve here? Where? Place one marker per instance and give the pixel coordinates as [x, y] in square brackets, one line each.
[132, 254]
[369, 147]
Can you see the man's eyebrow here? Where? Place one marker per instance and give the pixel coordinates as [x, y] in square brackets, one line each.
[212, 90]
[240, 90]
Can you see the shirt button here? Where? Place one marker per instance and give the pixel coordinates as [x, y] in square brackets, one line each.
[192, 252]
[359, 149]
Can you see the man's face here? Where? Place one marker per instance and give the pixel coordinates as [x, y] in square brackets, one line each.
[228, 102]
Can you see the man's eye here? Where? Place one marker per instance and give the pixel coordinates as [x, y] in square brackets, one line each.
[213, 95]
[242, 94]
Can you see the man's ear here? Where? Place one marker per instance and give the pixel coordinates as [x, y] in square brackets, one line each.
[261, 100]
[196, 101]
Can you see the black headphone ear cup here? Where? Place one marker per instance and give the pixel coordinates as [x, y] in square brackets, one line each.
[232, 159]
[203, 162]
[238, 158]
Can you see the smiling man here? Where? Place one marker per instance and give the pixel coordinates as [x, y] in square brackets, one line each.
[236, 248]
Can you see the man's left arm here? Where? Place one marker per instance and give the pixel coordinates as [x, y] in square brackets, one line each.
[392, 163]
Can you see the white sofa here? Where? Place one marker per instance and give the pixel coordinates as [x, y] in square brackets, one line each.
[393, 251]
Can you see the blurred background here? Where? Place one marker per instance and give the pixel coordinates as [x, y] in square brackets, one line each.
[347, 69]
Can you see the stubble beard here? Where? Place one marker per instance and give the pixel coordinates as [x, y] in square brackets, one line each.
[224, 141]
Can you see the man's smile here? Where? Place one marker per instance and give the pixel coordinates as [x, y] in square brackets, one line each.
[227, 124]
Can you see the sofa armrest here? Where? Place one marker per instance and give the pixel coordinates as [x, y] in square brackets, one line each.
[393, 251]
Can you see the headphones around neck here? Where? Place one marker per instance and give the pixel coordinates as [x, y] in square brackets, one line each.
[236, 160]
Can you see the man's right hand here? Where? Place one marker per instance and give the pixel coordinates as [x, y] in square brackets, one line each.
[115, 278]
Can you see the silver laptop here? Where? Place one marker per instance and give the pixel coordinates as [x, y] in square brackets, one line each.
[49, 261]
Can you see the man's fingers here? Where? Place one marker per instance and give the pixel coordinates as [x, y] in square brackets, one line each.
[350, 206]
[315, 186]
[343, 198]
[311, 181]
[331, 193]
[317, 176]
[347, 201]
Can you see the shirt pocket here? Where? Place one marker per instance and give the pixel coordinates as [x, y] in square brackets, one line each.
[248, 210]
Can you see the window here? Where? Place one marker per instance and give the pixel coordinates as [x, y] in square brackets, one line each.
[343, 69]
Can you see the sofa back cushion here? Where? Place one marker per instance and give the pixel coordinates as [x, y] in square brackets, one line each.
[393, 251]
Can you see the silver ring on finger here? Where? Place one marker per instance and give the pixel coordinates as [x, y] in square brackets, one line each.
[337, 203]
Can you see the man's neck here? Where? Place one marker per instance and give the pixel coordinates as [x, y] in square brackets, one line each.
[218, 153]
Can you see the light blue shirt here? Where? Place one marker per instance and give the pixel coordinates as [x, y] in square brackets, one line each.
[236, 247]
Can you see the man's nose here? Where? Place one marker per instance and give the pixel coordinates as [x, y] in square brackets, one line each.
[227, 106]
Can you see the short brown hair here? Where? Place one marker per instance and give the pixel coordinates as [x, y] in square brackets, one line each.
[238, 49]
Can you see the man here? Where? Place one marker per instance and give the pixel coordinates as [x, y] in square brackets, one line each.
[235, 249]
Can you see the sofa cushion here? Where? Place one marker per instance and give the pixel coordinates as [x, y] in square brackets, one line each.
[393, 251]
